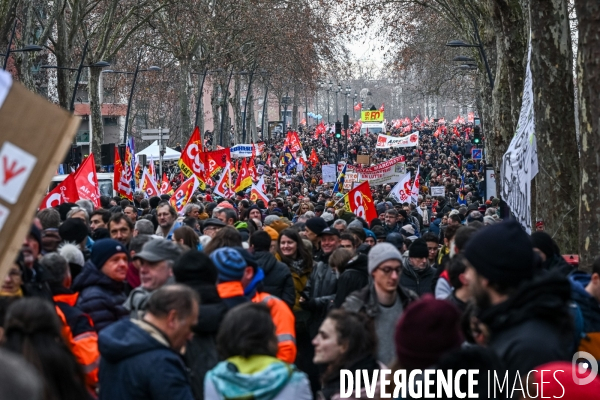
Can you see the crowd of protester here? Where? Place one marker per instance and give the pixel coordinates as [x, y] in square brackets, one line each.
[241, 300]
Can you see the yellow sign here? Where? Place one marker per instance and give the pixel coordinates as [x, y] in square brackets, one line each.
[371, 116]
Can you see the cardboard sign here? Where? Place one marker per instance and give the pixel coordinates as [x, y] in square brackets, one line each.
[35, 137]
[437, 191]
[363, 159]
[329, 173]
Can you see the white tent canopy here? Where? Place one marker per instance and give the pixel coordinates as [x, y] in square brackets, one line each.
[153, 151]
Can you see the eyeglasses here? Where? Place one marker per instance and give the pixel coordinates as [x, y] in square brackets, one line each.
[389, 270]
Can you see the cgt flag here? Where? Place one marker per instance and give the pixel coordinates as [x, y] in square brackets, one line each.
[64, 192]
[402, 190]
[257, 194]
[148, 184]
[122, 178]
[223, 187]
[184, 193]
[360, 202]
[244, 179]
[414, 192]
[87, 181]
[165, 186]
[191, 161]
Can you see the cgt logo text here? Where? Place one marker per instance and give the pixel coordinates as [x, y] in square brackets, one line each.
[465, 383]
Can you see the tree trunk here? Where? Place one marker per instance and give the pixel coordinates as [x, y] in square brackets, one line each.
[250, 119]
[62, 52]
[295, 110]
[588, 85]
[95, 107]
[553, 94]
[225, 137]
[214, 101]
[184, 98]
[237, 112]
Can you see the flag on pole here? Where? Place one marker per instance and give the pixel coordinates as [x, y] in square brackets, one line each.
[223, 187]
[252, 169]
[340, 180]
[191, 161]
[289, 161]
[261, 184]
[357, 107]
[360, 202]
[414, 192]
[122, 178]
[243, 179]
[183, 193]
[64, 192]
[257, 194]
[165, 186]
[148, 185]
[87, 181]
[402, 190]
[314, 159]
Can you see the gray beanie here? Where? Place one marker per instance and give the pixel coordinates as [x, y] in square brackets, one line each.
[355, 224]
[382, 252]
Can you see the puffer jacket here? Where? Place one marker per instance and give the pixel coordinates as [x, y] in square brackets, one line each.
[419, 282]
[100, 297]
[278, 279]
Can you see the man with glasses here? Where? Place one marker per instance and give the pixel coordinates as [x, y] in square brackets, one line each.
[166, 215]
[383, 299]
[211, 226]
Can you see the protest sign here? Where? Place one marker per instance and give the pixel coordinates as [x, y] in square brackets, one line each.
[247, 150]
[35, 137]
[387, 172]
[329, 173]
[438, 191]
[388, 142]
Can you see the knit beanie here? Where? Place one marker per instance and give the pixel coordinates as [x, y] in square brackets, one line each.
[544, 242]
[316, 224]
[104, 249]
[37, 235]
[502, 253]
[269, 219]
[355, 224]
[230, 264]
[418, 249]
[194, 266]
[272, 232]
[73, 230]
[382, 252]
[428, 329]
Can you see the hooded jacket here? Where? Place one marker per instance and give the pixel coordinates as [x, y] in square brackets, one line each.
[99, 296]
[590, 312]
[278, 279]
[354, 277]
[257, 377]
[533, 327]
[138, 363]
[419, 282]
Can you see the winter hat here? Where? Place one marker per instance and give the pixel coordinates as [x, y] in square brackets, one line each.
[508, 265]
[100, 233]
[229, 263]
[73, 230]
[64, 209]
[418, 248]
[327, 217]
[37, 235]
[428, 329]
[382, 252]
[543, 241]
[408, 229]
[157, 250]
[225, 204]
[474, 216]
[563, 385]
[269, 219]
[278, 225]
[104, 249]
[272, 232]
[380, 208]
[72, 254]
[395, 239]
[355, 224]
[316, 224]
[194, 266]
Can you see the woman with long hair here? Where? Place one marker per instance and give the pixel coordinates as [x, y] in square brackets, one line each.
[186, 236]
[32, 329]
[247, 343]
[346, 340]
[291, 251]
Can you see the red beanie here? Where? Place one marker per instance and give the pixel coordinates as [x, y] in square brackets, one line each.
[427, 330]
[567, 389]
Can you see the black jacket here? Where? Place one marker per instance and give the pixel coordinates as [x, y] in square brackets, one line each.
[418, 281]
[365, 300]
[319, 293]
[533, 326]
[201, 351]
[278, 278]
[100, 297]
[354, 277]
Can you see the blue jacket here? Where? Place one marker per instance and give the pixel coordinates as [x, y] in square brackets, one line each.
[589, 306]
[434, 227]
[137, 364]
[99, 296]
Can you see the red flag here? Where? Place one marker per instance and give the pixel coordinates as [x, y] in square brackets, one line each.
[87, 181]
[243, 179]
[382, 108]
[64, 192]
[269, 161]
[276, 183]
[357, 107]
[148, 185]
[223, 187]
[360, 202]
[184, 193]
[252, 170]
[165, 186]
[292, 141]
[121, 182]
[191, 161]
[456, 132]
[257, 194]
[314, 159]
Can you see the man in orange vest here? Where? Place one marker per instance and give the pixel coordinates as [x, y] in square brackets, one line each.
[77, 327]
[240, 280]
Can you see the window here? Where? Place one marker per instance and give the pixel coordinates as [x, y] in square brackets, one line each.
[110, 121]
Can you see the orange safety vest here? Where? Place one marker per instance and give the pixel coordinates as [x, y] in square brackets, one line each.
[284, 321]
[82, 338]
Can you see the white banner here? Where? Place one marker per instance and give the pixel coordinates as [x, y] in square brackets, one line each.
[520, 163]
[387, 142]
[245, 150]
[390, 171]
[437, 191]
[5, 85]
[329, 173]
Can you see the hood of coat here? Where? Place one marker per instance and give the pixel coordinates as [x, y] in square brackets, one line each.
[545, 298]
[359, 262]
[127, 338]
[266, 261]
[91, 276]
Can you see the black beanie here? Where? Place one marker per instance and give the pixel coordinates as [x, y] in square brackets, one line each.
[502, 253]
[316, 224]
[64, 209]
[194, 266]
[543, 241]
[37, 235]
[418, 249]
[73, 230]
[153, 201]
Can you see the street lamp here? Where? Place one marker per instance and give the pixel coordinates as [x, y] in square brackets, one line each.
[339, 89]
[328, 90]
[153, 68]
[347, 95]
[353, 110]
[26, 49]
[285, 101]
